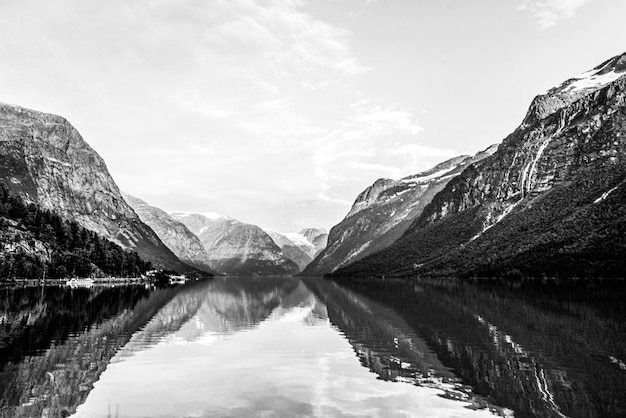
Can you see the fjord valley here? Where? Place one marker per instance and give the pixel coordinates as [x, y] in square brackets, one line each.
[313, 209]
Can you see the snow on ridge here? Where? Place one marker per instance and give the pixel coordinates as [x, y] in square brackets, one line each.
[297, 239]
[591, 80]
[213, 215]
[208, 215]
[414, 179]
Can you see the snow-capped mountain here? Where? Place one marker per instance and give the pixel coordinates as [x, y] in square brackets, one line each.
[317, 239]
[550, 201]
[292, 251]
[45, 161]
[235, 247]
[384, 211]
[174, 234]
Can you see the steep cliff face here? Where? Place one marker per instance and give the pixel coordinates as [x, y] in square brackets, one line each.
[549, 201]
[46, 162]
[235, 247]
[384, 211]
[291, 250]
[174, 234]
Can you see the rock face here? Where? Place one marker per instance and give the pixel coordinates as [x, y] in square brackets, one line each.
[292, 251]
[46, 162]
[384, 211]
[174, 234]
[235, 247]
[550, 201]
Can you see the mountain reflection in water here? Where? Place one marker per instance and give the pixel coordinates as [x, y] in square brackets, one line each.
[286, 347]
[541, 348]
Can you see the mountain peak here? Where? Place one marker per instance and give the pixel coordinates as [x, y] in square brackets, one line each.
[571, 90]
[594, 79]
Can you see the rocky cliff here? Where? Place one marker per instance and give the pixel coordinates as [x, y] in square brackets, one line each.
[384, 211]
[235, 247]
[46, 162]
[174, 234]
[548, 202]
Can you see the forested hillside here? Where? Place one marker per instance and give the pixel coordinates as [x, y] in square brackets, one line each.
[36, 243]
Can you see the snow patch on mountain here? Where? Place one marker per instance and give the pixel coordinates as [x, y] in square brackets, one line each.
[208, 215]
[421, 179]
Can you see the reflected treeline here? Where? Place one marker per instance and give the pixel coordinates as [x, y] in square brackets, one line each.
[544, 349]
[55, 342]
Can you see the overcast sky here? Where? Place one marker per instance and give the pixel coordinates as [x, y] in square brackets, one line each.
[279, 112]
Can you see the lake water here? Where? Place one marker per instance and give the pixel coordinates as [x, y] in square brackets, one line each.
[289, 347]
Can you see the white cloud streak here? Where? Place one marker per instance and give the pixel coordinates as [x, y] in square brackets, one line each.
[549, 12]
[227, 106]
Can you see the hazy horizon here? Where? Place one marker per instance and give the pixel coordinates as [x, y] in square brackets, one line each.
[278, 113]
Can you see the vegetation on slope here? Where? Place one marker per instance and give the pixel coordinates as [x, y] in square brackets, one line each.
[37, 243]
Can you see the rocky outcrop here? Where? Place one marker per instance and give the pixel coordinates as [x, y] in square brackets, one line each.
[174, 234]
[235, 247]
[292, 251]
[384, 211]
[548, 202]
[46, 162]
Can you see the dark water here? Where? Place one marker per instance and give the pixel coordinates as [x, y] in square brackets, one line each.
[283, 347]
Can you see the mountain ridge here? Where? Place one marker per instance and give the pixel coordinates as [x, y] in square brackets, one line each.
[384, 211]
[546, 203]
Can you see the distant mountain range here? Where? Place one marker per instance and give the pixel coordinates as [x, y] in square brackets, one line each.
[235, 247]
[303, 246]
[174, 234]
[548, 202]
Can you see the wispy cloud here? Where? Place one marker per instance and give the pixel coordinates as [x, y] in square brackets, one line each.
[373, 140]
[227, 106]
[549, 12]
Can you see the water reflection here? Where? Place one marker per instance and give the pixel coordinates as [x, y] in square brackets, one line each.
[543, 349]
[252, 347]
[286, 347]
[55, 342]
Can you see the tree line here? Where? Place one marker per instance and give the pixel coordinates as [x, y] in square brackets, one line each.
[68, 249]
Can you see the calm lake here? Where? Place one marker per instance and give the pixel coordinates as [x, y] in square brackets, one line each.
[289, 347]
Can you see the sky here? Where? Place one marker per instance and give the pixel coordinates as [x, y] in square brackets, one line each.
[279, 112]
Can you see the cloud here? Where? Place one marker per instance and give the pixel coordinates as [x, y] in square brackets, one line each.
[373, 140]
[549, 12]
[227, 106]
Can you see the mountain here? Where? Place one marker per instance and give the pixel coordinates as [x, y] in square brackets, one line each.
[235, 247]
[292, 251]
[384, 211]
[45, 161]
[549, 202]
[174, 234]
[316, 237]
